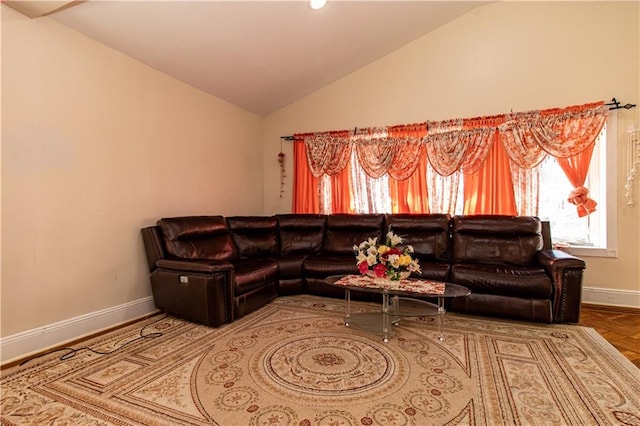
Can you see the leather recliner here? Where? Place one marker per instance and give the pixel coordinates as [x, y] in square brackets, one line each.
[212, 269]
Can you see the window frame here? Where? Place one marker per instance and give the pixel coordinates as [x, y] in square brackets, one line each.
[608, 193]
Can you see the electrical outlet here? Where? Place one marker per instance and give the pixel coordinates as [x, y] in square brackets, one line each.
[184, 279]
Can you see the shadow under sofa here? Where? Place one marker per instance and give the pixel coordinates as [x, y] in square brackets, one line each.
[214, 269]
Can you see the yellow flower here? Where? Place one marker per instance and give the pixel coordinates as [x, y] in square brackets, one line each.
[383, 249]
[405, 260]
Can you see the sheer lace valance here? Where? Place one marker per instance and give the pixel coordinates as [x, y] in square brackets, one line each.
[328, 153]
[528, 137]
[458, 145]
[458, 150]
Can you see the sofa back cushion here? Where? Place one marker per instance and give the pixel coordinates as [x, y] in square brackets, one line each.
[427, 233]
[197, 237]
[495, 239]
[343, 231]
[254, 236]
[300, 233]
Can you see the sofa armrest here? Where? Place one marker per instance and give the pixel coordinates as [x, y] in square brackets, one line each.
[193, 290]
[566, 272]
[557, 259]
[152, 246]
[201, 266]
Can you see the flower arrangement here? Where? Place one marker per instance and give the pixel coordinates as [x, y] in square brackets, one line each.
[389, 260]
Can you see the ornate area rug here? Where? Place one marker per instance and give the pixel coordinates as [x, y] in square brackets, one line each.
[294, 363]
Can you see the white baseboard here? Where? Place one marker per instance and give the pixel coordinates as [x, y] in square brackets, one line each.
[39, 339]
[24, 344]
[606, 296]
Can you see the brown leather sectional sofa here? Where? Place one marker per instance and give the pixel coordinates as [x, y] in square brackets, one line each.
[212, 269]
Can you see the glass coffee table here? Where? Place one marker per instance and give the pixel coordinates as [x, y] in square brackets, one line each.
[398, 301]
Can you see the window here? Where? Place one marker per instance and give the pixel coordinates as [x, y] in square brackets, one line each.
[592, 235]
[367, 195]
[566, 226]
[595, 234]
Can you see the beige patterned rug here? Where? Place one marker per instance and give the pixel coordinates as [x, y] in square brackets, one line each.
[294, 363]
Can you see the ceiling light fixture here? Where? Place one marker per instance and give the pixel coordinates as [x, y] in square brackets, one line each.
[317, 4]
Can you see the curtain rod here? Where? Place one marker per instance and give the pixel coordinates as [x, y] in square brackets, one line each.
[614, 104]
[290, 137]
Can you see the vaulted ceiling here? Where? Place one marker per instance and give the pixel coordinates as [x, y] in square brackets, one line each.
[259, 55]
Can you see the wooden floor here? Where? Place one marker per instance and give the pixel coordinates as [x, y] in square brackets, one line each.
[620, 326]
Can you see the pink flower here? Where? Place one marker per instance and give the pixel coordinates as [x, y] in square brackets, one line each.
[363, 267]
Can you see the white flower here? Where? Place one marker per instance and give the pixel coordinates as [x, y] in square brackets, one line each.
[393, 239]
[372, 241]
[394, 260]
[372, 259]
[409, 248]
[414, 266]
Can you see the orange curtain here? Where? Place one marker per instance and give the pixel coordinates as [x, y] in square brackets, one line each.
[341, 191]
[567, 133]
[578, 126]
[490, 189]
[576, 169]
[305, 185]
[483, 149]
[336, 155]
[410, 195]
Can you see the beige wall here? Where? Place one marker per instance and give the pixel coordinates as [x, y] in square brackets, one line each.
[505, 56]
[95, 146]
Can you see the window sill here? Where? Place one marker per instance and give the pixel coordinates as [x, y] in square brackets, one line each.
[586, 251]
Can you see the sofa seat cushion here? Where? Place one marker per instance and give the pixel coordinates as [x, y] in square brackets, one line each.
[496, 305]
[519, 281]
[323, 266]
[251, 274]
[291, 265]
